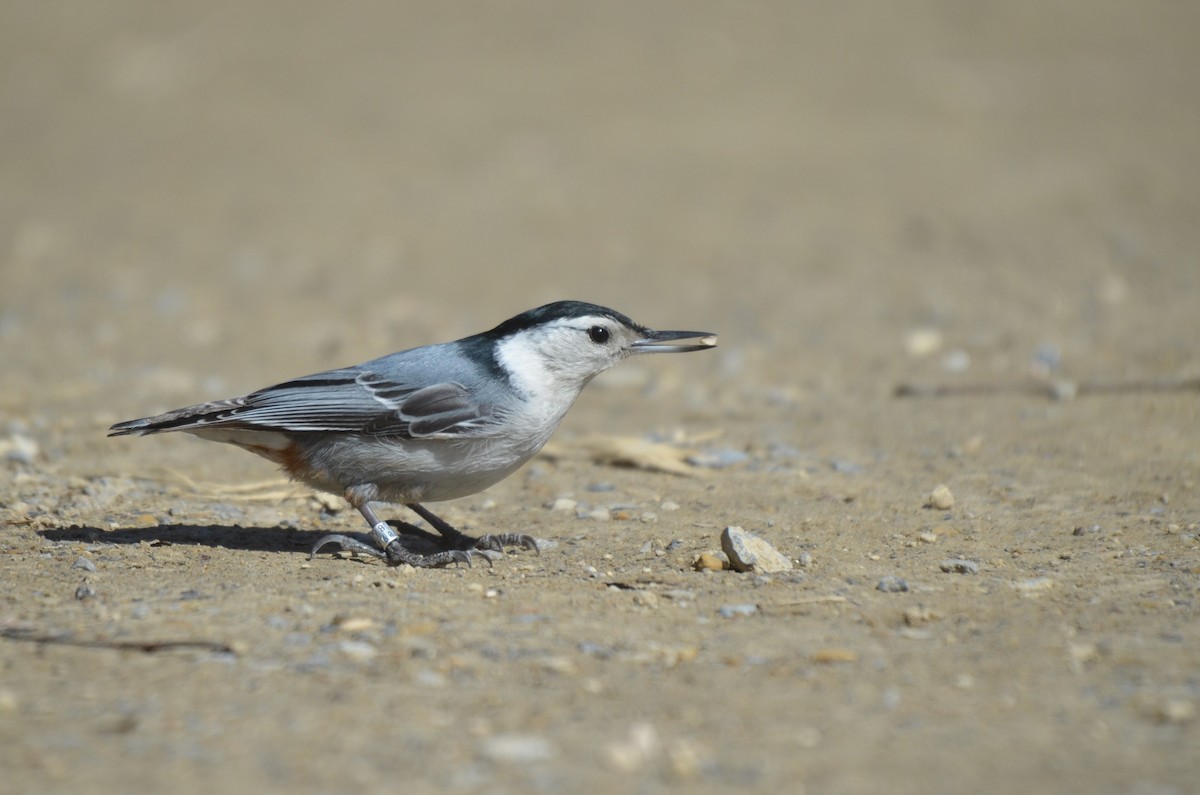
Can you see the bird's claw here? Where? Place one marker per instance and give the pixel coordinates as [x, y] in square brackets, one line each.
[347, 543]
[496, 542]
[395, 554]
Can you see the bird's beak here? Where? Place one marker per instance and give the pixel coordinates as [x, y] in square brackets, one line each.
[668, 341]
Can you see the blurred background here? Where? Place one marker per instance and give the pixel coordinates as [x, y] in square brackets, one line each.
[205, 198]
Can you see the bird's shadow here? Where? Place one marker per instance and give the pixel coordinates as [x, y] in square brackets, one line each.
[253, 539]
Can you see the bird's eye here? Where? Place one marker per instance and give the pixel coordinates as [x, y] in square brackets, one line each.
[598, 334]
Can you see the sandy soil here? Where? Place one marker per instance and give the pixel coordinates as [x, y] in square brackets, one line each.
[200, 199]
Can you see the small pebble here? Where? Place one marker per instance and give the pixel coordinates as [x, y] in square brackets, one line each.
[517, 749]
[804, 560]
[748, 552]
[959, 566]
[941, 498]
[563, 504]
[1063, 390]
[646, 599]
[891, 584]
[358, 650]
[429, 678]
[1176, 710]
[83, 563]
[956, 361]
[917, 615]
[667, 505]
[346, 623]
[1034, 585]
[922, 341]
[835, 655]
[734, 611]
[641, 747]
[84, 592]
[1083, 652]
[706, 561]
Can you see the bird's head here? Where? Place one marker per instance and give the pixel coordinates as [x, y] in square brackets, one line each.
[570, 342]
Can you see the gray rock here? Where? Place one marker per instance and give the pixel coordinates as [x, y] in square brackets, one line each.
[83, 563]
[748, 552]
[892, 584]
[959, 566]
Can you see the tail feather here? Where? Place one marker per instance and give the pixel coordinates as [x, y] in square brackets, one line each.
[132, 428]
[177, 420]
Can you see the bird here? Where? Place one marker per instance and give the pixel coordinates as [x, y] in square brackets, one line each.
[428, 424]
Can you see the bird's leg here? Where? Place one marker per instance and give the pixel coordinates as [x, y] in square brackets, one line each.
[456, 539]
[390, 549]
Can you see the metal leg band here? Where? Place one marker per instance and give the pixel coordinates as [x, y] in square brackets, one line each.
[384, 534]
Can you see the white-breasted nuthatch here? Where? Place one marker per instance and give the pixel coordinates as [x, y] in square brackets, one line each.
[428, 424]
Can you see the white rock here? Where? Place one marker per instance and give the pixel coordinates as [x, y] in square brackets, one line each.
[941, 498]
[748, 552]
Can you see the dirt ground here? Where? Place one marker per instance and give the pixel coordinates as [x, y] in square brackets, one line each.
[996, 204]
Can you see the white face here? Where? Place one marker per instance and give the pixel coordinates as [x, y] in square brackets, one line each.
[568, 352]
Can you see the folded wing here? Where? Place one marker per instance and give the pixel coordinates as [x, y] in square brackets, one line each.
[352, 400]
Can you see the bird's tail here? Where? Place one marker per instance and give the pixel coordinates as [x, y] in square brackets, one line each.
[177, 420]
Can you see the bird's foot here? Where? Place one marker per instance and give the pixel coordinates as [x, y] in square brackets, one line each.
[395, 553]
[496, 542]
[453, 538]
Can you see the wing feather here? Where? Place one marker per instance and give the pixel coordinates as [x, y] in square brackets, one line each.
[352, 400]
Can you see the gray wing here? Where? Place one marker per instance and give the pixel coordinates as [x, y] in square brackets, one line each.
[352, 400]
